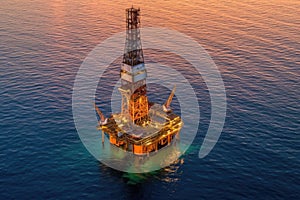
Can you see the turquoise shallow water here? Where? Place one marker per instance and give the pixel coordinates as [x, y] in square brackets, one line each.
[255, 45]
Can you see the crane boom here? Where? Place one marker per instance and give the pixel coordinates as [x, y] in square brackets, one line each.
[169, 100]
[100, 114]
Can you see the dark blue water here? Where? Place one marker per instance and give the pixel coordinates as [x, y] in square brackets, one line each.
[256, 46]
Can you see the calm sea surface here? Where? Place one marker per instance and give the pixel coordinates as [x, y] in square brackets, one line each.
[256, 46]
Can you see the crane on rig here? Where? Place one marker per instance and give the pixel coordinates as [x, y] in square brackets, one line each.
[102, 120]
[166, 106]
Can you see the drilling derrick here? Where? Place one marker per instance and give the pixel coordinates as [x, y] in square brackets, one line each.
[133, 72]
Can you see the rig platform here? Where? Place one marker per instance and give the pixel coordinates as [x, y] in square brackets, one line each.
[142, 126]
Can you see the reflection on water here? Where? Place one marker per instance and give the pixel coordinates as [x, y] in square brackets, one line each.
[167, 174]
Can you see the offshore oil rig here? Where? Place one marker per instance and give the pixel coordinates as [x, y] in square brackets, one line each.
[142, 126]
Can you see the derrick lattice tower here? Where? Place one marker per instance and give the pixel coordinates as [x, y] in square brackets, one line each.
[133, 72]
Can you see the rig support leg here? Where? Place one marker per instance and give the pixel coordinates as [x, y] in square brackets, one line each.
[178, 136]
[102, 137]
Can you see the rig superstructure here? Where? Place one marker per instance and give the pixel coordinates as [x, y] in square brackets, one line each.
[142, 126]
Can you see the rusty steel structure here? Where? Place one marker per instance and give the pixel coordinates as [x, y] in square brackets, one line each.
[141, 127]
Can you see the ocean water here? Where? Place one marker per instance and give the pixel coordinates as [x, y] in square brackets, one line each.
[256, 46]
